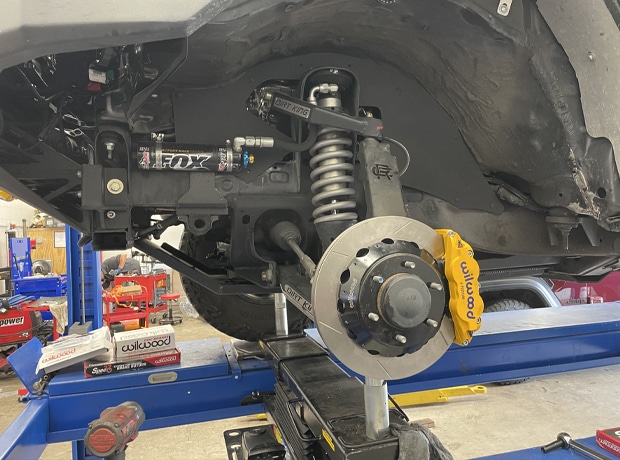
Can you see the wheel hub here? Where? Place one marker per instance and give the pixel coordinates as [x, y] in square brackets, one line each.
[386, 301]
[404, 301]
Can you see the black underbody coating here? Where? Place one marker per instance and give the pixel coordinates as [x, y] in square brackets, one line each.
[488, 106]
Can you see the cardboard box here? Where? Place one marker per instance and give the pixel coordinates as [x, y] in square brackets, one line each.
[609, 440]
[162, 358]
[131, 289]
[143, 341]
[74, 349]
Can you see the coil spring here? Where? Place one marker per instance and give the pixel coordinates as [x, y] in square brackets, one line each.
[331, 163]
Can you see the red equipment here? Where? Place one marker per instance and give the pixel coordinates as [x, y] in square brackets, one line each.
[109, 435]
[16, 328]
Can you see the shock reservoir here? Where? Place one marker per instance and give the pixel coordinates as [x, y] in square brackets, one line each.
[159, 155]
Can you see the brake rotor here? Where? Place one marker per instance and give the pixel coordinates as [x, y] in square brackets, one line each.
[380, 356]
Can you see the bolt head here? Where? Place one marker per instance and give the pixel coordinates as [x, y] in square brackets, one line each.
[115, 186]
[110, 214]
[503, 8]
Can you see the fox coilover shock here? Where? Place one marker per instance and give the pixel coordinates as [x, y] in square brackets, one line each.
[331, 163]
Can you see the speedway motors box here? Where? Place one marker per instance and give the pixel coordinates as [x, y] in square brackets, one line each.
[142, 341]
[162, 358]
[609, 440]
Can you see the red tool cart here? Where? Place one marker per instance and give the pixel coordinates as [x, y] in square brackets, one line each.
[118, 307]
[137, 305]
[156, 284]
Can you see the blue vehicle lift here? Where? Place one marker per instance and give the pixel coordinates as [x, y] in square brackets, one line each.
[212, 380]
[84, 285]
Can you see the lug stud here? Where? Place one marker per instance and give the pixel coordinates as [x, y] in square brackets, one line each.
[436, 286]
[431, 322]
[378, 279]
[401, 338]
[373, 317]
[409, 264]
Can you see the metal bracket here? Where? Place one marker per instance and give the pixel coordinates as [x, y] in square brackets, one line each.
[381, 180]
[504, 7]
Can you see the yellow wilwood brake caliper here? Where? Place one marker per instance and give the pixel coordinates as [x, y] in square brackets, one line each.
[462, 272]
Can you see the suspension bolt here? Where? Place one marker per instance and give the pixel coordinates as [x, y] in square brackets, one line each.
[110, 214]
[401, 338]
[110, 146]
[378, 279]
[409, 264]
[373, 317]
[115, 186]
[436, 286]
[470, 253]
[431, 322]
[267, 275]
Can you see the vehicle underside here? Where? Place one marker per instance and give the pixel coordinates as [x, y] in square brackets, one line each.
[283, 135]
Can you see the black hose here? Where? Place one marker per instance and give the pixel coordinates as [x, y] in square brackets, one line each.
[305, 145]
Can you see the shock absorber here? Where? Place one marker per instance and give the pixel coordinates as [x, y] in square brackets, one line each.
[331, 163]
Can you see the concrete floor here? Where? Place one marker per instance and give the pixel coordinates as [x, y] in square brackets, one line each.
[506, 418]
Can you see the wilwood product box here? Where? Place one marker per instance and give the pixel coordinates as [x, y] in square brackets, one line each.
[74, 349]
[609, 440]
[141, 341]
[162, 358]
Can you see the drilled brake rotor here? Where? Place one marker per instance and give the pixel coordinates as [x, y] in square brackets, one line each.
[327, 290]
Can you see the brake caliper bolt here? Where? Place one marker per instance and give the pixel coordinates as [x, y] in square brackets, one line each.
[431, 322]
[373, 317]
[378, 279]
[436, 286]
[401, 338]
[409, 264]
